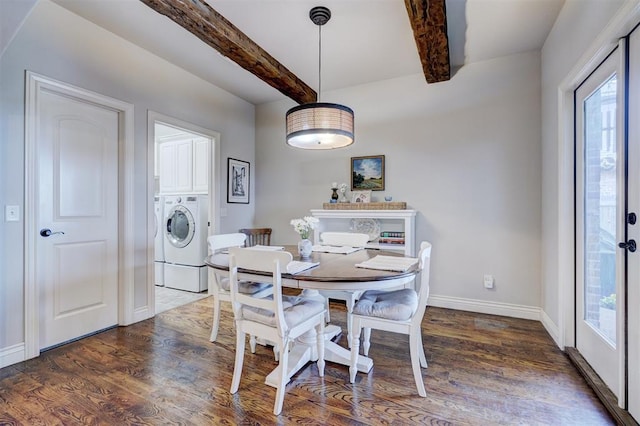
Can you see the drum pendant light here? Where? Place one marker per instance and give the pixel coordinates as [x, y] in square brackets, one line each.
[319, 125]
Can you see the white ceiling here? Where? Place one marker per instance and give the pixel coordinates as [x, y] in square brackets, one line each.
[365, 40]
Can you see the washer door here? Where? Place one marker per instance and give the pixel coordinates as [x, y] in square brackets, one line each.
[180, 226]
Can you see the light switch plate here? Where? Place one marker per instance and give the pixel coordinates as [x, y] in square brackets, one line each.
[12, 213]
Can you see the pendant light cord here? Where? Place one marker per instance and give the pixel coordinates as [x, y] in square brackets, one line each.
[319, 61]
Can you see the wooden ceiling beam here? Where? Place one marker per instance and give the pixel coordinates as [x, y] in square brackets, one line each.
[200, 19]
[429, 23]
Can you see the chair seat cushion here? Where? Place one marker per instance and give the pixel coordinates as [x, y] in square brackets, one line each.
[397, 305]
[245, 287]
[296, 309]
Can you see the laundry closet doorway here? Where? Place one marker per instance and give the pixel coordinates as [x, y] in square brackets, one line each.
[183, 186]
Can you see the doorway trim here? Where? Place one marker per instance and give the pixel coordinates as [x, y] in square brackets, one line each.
[618, 27]
[35, 83]
[154, 117]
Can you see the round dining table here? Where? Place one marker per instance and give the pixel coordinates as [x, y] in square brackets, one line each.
[334, 272]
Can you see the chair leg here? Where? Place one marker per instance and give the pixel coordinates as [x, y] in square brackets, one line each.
[351, 301]
[276, 352]
[282, 380]
[216, 319]
[414, 349]
[252, 344]
[320, 343]
[355, 348]
[237, 369]
[367, 341]
[423, 358]
[327, 315]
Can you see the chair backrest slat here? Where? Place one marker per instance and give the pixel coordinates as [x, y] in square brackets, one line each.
[273, 262]
[220, 242]
[257, 236]
[423, 292]
[224, 241]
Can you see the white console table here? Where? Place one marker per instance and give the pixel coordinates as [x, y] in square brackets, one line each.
[390, 220]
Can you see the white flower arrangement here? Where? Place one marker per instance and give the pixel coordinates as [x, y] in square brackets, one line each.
[343, 190]
[304, 226]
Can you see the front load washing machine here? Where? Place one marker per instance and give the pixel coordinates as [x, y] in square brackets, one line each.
[185, 232]
[158, 240]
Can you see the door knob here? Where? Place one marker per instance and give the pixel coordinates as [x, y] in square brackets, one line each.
[46, 232]
[631, 218]
[629, 245]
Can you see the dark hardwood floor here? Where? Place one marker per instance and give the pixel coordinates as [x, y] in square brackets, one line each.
[483, 370]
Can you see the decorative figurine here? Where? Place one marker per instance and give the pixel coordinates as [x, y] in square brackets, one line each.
[334, 195]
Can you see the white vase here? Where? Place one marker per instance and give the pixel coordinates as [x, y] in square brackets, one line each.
[305, 248]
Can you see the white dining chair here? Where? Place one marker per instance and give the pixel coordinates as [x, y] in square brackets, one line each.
[277, 318]
[350, 239]
[398, 311]
[220, 288]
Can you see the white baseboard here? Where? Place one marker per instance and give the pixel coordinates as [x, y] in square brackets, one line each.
[141, 314]
[12, 355]
[484, 307]
[551, 327]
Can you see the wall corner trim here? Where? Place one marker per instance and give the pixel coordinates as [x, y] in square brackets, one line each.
[552, 328]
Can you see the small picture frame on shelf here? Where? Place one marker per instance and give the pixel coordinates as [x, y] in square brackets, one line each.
[360, 196]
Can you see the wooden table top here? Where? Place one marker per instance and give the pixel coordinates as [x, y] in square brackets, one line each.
[333, 267]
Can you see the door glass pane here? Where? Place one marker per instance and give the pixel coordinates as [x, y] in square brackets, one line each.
[600, 209]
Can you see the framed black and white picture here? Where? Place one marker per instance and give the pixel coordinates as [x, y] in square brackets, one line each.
[238, 181]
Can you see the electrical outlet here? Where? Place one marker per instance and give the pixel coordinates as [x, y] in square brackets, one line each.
[488, 281]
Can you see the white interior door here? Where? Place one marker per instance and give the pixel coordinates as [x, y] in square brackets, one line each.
[633, 231]
[599, 209]
[77, 189]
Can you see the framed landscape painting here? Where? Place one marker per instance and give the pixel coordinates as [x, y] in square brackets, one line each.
[237, 181]
[367, 173]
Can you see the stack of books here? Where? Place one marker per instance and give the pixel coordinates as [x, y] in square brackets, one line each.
[390, 237]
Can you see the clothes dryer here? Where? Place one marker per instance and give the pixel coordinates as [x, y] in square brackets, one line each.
[158, 203]
[185, 231]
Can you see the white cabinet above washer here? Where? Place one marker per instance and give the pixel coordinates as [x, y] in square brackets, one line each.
[184, 166]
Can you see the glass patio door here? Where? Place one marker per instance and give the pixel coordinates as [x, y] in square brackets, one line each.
[600, 201]
[633, 231]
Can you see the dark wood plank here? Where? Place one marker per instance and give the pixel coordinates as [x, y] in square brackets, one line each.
[483, 369]
[607, 397]
[200, 19]
[429, 23]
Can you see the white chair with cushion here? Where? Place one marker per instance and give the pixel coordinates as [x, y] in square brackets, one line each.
[220, 290]
[277, 318]
[350, 239]
[398, 311]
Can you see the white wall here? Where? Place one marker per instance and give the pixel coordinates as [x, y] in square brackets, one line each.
[465, 153]
[60, 45]
[577, 26]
